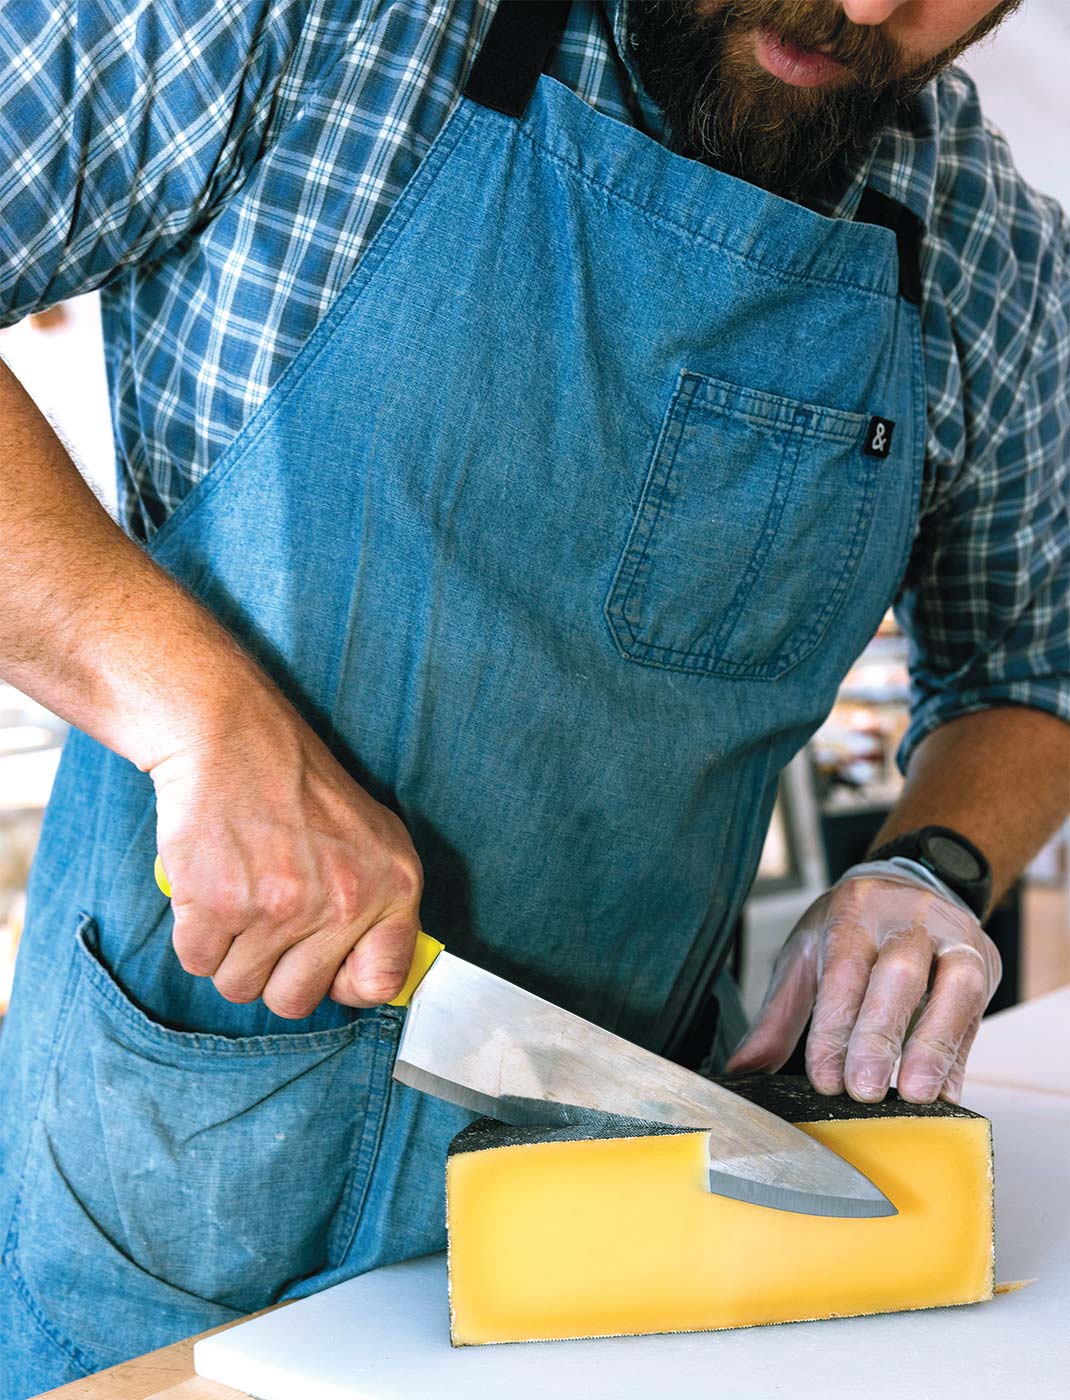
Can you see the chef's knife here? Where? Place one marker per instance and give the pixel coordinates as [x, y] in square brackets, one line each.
[476, 1040]
[483, 1043]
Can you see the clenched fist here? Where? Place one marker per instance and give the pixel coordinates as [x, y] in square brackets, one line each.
[885, 941]
[289, 881]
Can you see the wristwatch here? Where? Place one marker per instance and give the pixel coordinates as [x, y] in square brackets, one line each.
[950, 857]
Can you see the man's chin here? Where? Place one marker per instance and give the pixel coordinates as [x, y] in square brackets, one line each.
[766, 109]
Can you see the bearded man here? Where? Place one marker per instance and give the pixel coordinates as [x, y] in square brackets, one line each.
[525, 414]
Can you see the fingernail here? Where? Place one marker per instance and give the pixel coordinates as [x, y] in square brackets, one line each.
[868, 1089]
[913, 1092]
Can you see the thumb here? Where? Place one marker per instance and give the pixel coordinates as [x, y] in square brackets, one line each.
[376, 967]
[785, 1011]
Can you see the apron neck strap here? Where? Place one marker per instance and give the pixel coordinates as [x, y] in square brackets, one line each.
[877, 208]
[518, 45]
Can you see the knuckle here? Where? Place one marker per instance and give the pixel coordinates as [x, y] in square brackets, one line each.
[347, 889]
[935, 1044]
[903, 965]
[281, 896]
[408, 877]
[379, 984]
[877, 1041]
[236, 992]
[971, 978]
[829, 1039]
[197, 964]
[239, 985]
[290, 1005]
[197, 952]
[225, 902]
[848, 955]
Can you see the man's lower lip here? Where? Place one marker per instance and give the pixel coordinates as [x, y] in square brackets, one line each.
[799, 67]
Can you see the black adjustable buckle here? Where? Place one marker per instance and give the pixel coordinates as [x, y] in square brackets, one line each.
[877, 208]
[518, 46]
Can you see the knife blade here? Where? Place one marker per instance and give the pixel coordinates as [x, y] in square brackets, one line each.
[478, 1041]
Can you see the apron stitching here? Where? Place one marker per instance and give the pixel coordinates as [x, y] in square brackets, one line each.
[61, 1036]
[748, 260]
[424, 177]
[367, 1153]
[789, 462]
[644, 525]
[59, 1029]
[156, 1035]
[783, 413]
[63, 1344]
[625, 582]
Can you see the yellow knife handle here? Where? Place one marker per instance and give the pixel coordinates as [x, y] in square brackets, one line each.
[161, 877]
[427, 948]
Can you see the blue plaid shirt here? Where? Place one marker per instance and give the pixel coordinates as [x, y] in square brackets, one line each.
[217, 167]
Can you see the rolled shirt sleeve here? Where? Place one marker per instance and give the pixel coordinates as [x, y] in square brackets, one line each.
[124, 126]
[985, 603]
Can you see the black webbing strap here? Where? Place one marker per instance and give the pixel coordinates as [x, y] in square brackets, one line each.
[517, 48]
[877, 208]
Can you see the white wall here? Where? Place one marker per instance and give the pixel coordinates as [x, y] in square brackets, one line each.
[1023, 75]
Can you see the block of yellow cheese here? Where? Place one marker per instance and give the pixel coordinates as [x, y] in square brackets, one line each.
[610, 1230]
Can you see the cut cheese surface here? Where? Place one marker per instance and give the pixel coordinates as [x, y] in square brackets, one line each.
[554, 1235]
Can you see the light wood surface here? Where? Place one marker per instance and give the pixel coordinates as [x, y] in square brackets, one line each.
[166, 1374]
[1017, 1047]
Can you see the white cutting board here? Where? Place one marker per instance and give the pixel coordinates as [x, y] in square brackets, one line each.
[1027, 1047]
[385, 1335]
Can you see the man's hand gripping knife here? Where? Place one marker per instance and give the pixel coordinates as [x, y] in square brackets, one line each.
[291, 882]
[887, 942]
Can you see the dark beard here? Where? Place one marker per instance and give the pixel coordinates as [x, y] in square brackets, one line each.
[697, 63]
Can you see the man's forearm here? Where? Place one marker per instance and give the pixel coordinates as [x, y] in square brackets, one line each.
[1001, 777]
[89, 625]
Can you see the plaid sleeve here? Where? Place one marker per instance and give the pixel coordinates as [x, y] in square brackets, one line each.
[986, 599]
[124, 124]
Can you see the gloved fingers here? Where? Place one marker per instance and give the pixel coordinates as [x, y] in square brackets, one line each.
[898, 981]
[959, 994]
[952, 1090]
[849, 953]
[784, 1012]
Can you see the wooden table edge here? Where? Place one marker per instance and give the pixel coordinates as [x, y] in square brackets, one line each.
[166, 1374]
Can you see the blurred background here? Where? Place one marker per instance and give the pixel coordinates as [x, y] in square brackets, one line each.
[836, 793]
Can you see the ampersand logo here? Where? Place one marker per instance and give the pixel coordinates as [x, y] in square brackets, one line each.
[879, 437]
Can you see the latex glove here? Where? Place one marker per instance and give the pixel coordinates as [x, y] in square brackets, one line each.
[887, 939]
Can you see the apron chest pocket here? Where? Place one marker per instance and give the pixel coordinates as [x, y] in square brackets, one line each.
[187, 1178]
[750, 526]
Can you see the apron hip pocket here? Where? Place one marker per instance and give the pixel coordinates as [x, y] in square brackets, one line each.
[176, 1180]
[751, 523]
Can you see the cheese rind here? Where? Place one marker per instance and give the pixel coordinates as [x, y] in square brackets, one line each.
[559, 1234]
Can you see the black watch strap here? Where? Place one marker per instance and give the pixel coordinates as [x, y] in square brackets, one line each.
[950, 857]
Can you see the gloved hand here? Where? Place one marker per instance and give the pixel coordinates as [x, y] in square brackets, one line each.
[887, 939]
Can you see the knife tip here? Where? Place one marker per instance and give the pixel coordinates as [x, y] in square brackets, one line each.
[869, 1205]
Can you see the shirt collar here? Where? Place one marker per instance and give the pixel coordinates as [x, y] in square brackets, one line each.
[900, 162]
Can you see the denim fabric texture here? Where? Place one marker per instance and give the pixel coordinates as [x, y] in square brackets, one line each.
[219, 169]
[560, 530]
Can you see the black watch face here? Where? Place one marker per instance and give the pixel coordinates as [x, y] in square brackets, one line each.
[950, 856]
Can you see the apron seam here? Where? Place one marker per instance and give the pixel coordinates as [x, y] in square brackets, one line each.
[156, 1035]
[368, 1149]
[62, 1032]
[293, 377]
[749, 261]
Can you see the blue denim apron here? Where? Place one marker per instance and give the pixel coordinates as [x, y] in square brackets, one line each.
[562, 529]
